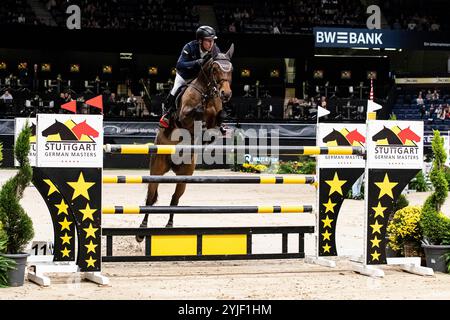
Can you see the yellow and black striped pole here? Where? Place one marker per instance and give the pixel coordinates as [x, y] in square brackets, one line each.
[204, 209]
[212, 179]
[281, 150]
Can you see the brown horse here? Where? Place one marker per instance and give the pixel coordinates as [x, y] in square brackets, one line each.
[201, 101]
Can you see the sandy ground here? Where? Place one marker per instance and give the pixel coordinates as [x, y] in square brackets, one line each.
[254, 279]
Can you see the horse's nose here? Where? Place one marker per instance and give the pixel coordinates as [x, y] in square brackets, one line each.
[225, 95]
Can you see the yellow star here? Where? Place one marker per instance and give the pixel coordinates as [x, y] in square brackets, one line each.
[91, 247]
[376, 227]
[65, 252]
[379, 210]
[326, 248]
[329, 206]
[386, 187]
[62, 207]
[87, 212]
[66, 239]
[326, 235]
[335, 184]
[90, 262]
[375, 255]
[375, 242]
[80, 187]
[90, 232]
[65, 224]
[51, 185]
[327, 222]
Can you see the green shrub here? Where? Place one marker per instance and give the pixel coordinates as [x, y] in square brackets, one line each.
[401, 203]
[392, 116]
[5, 263]
[404, 227]
[419, 183]
[16, 223]
[435, 225]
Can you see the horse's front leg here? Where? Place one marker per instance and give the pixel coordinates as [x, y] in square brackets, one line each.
[186, 169]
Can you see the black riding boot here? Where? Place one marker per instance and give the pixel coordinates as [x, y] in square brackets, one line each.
[169, 106]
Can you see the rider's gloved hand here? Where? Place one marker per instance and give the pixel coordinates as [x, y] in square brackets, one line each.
[200, 61]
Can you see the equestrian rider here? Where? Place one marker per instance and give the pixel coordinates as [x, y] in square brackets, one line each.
[192, 57]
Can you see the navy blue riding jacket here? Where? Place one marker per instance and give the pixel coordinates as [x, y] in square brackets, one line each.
[187, 67]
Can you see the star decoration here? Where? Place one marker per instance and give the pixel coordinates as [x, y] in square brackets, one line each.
[51, 185]
[65, 224]
[91, 247]
[87, 212]
[329, 206]
[336, 184]
[376, 227]
[386, 187]
[80, 187]
[379, 210]
[326, 248]
[326, 235]
[375, 242]
[375, 255]
[327, 222]
[90, 262]
[66, 239]
[62, 207]
[65, 252]
[90, 232]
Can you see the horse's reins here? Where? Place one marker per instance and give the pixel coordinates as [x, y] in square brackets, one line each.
[209, 87]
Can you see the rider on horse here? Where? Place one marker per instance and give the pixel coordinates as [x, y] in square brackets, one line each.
[192, 57]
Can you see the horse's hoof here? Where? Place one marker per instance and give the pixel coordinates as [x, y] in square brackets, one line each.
[141, 238]
[169, 225]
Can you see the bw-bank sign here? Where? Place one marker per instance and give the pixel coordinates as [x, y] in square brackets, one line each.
[356, 38]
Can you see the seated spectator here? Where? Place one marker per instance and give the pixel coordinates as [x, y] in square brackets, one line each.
[412, 26]
[435, 95]
[275, 29]
[435, 26]
[7, 97]
[420, 99]
[396, 25]
[232, 27]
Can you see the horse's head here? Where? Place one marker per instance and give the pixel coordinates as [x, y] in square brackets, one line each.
[221, 71]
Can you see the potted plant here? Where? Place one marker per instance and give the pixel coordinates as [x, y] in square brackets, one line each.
[404, 231]
[435, 225]
[6, 264]
[17, 225]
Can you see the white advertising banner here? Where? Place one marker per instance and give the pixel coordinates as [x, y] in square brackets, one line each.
[341, 134]
[395, 144]
[19, 124]
[66, 140]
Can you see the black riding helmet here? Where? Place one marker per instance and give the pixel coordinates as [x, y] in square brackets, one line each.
[205, 32]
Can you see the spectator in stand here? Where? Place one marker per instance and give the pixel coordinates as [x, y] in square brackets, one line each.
[429, 95]
[435, 26]
[275, 29]
[6, 97]
[421, 105]
[435, 95]
[396, 25]
[232, 27]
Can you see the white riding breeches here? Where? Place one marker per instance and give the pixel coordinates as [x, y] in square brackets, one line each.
[179, 81]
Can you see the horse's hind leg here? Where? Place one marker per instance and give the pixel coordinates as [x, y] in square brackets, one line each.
[179, 191]
[158, 166]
